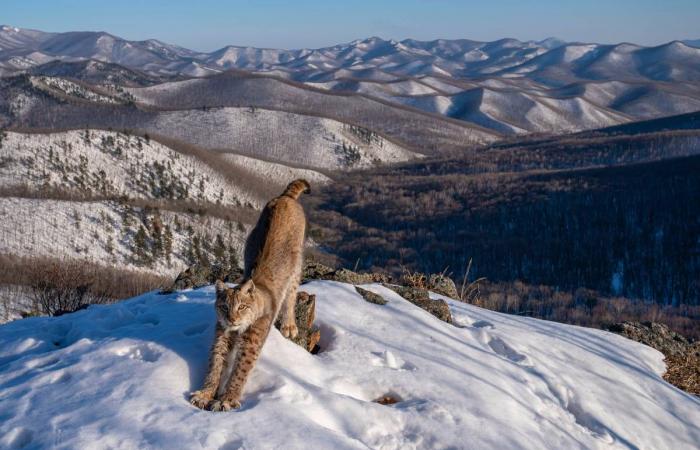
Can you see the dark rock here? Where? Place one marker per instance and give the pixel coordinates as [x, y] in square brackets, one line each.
[444, 285]
[197, 276]
[421, 298]
[370, 296]
[387, 399]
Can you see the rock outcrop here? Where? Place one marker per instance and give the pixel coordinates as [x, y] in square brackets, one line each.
[653, 334]
[370, 296]
[421, 298]
[682, 356]
[442, 284]
[318, 271]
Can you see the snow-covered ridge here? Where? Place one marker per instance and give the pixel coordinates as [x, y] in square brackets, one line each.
[276, 171]
[454, 58]
[121, 374]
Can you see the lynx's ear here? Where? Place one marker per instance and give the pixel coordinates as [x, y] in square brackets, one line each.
[248, 287]
[220, 287]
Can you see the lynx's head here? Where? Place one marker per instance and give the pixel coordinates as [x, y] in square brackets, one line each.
[237, 308]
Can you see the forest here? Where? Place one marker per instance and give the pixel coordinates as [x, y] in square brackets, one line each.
[629, 231]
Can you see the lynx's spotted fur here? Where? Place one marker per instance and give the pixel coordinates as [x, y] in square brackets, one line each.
[273, 262]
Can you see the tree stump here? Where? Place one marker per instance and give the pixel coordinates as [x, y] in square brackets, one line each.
[305, 314]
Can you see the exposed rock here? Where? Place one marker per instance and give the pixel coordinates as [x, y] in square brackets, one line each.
[421, 298]
[318, 271]
[442, 284]
[305, 314]
[197, 276]
[370, 296]
[682, 357]
[387, 399]
[315, 271]
[653, 334]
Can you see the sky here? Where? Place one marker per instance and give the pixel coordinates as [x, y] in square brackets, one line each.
[207, 25]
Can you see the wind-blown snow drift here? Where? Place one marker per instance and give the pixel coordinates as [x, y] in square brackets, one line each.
[118, 376]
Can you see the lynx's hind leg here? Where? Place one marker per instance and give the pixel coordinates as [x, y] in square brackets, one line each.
[217, 364]
[289, 325]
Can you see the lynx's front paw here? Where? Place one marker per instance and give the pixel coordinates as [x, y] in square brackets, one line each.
[226, 405]
[201, 399]
[290, 330]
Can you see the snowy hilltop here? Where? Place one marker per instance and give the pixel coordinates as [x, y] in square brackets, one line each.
[119, 376]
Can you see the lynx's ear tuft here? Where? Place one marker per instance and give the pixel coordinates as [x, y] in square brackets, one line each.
[220, 287]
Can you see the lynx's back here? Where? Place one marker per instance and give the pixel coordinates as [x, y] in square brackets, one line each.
[276, 242]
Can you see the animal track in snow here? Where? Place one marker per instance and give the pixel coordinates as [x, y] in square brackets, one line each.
[389, 360]
[499, 346]
[483, 324]
[140, 352]
[195, 329]
[60, 376]
[41, 363]
[328, 337]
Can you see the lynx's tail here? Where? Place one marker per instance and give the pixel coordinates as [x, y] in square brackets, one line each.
[296, 188]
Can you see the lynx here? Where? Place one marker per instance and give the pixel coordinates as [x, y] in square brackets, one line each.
[273, 261]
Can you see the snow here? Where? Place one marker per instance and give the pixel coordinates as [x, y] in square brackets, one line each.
[119, 376]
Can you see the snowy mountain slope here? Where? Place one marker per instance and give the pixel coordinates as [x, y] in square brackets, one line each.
[95, 72]
[104, 232]
[302, 140]
[412, 128]
[121, 374]
[106, 163]
[507, 111]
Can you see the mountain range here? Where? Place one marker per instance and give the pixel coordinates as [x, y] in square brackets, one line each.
[507, 86]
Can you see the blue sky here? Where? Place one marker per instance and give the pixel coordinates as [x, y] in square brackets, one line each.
[210, 24]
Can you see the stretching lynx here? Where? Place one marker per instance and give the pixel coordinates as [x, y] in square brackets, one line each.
[273, 259]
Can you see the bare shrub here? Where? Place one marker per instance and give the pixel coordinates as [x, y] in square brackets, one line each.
[58, 286]
[413, 279]
[66, 287]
